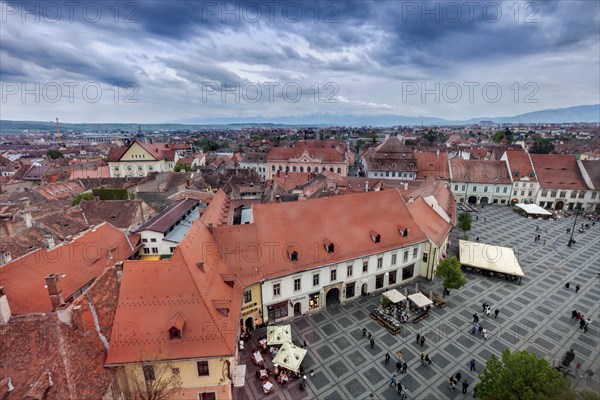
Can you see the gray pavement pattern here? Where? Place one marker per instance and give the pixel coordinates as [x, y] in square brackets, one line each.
[534, 316]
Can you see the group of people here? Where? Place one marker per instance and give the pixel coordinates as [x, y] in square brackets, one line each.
[425, 360]
[577, 287]
[488, 310]
[398, 385]
[454, 380]
[369, 337]
[583, 323]
[420, 339]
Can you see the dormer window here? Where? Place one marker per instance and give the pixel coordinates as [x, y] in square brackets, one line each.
[176, 328]
[516, 173]
[200, 265]
[329, 247]
[375, 237]
[403, 231]
[292, 253]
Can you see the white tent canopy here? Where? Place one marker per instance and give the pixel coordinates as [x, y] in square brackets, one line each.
[290, 356]
[279, 334]
[420, 300]
[489, 257]
[239, 375]
[533, 209]
[394, 296]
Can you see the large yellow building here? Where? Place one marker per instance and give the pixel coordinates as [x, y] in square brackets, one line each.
[140, 159]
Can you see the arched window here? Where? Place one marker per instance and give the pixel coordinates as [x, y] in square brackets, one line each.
[307, 169]
[294, 168]
[301, 169]
[339, 170]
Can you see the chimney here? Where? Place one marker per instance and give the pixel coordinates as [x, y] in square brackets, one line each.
[405, 185]
[24, 203]
[9, 228]
[437, 153]
[48, 242]
[26, 215]
[4, 307]
[55, 291]
[5, 258]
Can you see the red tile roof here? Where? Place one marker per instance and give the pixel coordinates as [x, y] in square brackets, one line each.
[345, 220]
[324, 154]
[558, 171]
[190, 283]
[33, 346]
[479, 171]
[520, 165]
[433, 165]
[429, 221]
[77, 263]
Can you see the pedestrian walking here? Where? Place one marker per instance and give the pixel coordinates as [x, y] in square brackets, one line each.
[544, 242]
[577, 289]
[488, 311]
[399, 386]
[577, 368]
[393, 380]
[585, 328]
[483, 307]
[465, 386]
[472, 364]
[477, 218]
[578, 316]
[422, 340]
[581, 323]
[404, 367]
[364, 332]
[567, 285]
[574, 314]
[452, 385]
[399, 365]
[418, 337]
[484, 334]
[369, 335]
[484, 219]
[457, 377]
[372, 343]
[473, 329]
[496, 313]
[537, 228]
[477, 238]
[387, 358]
[480, 330]
[588, 374]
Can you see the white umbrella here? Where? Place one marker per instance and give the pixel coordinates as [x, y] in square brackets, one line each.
[279, 334]
[290, 356]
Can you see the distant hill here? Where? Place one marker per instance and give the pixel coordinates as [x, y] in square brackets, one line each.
[586, 113]
[583, 113]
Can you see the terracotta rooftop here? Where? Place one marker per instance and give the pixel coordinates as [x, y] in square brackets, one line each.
[169, 217]
[557, 171]
[255, 158]
[60, 190]
[345, 220]
[190, 283]
[433, 165]
[123, 214]
[290, 153]
[592, 167]
[38, 348]
[432, 224]
[520, 165]
[77, 263]
[479, 171]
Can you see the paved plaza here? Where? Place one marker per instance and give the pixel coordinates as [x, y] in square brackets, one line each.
[534, 316]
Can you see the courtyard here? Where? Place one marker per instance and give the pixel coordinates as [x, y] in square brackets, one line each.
[534, 316]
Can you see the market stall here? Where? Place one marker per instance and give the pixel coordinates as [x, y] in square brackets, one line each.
[493, 261]
[279, 334]
[290, 356]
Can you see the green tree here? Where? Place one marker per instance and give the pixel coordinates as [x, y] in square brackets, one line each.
[82, 196]
[54, 154]
[542, 146]
[499, 136]
[182, 167]
[449, 271]
[521, 376]
[464, 222]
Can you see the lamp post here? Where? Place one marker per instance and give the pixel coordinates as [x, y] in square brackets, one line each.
[571, 241]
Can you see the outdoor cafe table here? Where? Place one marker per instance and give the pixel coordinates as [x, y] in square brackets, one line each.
[268, 387]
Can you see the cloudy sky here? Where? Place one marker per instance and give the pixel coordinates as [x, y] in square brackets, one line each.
[153, 61]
